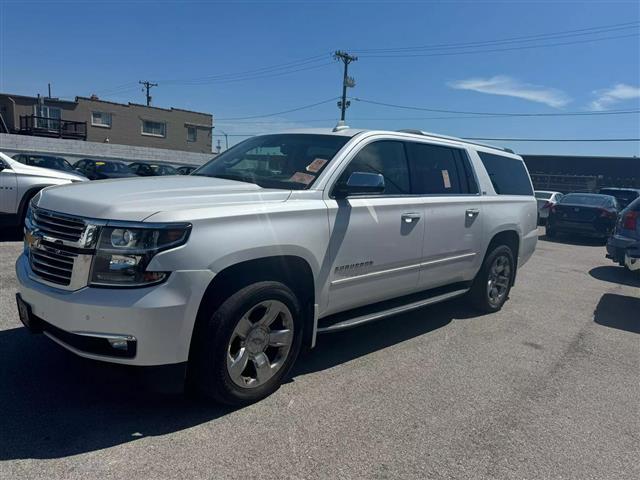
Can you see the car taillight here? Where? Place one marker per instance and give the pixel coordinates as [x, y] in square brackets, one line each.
[552, 208]
[604, 213]
[547, 205]
[630, 220]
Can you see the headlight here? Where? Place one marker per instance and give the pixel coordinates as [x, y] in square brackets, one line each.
[124, 252]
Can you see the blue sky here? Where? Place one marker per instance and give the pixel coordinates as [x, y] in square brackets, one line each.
[195, 51]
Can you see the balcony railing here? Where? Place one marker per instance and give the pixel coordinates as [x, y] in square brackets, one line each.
[52, 127]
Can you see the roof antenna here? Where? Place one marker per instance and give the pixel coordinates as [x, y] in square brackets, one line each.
[340, 126]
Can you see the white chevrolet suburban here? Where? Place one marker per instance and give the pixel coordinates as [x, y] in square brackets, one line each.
[227, 273]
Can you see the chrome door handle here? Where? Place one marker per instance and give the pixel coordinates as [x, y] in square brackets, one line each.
[472, 212]
[410, 217]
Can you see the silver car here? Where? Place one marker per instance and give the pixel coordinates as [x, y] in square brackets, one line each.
[225, 274]
[546, 200]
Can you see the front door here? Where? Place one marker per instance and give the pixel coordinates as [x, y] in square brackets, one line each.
[8, 190]
[376, 240]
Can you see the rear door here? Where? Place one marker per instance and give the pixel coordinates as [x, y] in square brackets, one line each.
[443, 177]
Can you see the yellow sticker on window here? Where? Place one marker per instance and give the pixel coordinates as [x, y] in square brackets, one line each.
[100, 163]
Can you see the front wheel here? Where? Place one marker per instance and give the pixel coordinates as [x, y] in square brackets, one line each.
[249, 344]
[492, 284]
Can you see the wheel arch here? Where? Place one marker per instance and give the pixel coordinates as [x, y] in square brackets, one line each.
[509, 237]
[292, 270]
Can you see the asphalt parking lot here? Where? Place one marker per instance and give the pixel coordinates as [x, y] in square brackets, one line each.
[547, 388]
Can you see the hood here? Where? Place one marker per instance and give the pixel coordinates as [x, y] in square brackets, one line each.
[137, 198]
[21, 168]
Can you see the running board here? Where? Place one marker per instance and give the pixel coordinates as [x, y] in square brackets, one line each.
[370, 316]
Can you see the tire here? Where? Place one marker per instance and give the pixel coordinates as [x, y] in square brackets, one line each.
[239, 333]
[499, 267]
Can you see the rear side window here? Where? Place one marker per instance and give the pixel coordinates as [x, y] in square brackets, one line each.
[386, 158]
[438, 170]
[508, 175]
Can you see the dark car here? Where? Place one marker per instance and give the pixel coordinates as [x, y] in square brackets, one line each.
[186, 169]
[102, 169]
[151, 169]
[623, 247]
[589, 214]
[624, 196]
[44, 161]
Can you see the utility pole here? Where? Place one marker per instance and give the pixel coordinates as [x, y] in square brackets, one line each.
[226, 139]
[147, 85]
[347, 81]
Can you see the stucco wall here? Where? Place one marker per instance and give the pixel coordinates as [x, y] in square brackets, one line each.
[74, 150]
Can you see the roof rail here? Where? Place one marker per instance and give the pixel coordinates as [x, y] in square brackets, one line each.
[457, 139]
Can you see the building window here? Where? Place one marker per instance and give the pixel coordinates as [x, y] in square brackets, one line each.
[101, 119]
[155, 129]
[47, 117]
[192, 134]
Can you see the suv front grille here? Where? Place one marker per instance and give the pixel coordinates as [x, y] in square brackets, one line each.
[52, 264]
[57, 225]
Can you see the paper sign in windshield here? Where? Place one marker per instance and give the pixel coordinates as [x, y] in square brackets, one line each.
[300, 177]
[446, 179]
[316, 165]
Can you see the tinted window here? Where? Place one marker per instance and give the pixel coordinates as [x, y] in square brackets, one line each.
[436, 170]
[508, 175]
[386, 158]
[587, 199]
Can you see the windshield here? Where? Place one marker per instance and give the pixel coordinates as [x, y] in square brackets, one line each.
[543, 195]
[625, 197]
[111, 167]
[163, 170]
[55, 163]
[291, 161]
[586, 199]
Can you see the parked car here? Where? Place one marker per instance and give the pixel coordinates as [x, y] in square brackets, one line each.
[623, 246]
[186, 169]
[624, 196]
[103, 169]
[546, 200]
[19, 183]
[588, 214]
[151, 169]
[44, 161]
[224, 275]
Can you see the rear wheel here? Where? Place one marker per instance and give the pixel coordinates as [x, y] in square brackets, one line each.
[249, 344]
[491, 286]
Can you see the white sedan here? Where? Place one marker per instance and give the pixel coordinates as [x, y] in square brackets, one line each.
[546, 199]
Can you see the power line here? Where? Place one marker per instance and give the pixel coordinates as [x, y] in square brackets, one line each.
[508, 40]
[498, 114]
[494, 50]
[304, 107]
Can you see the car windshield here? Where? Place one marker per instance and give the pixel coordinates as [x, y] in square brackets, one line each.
[586, 199]
[56, 163]
[111, 167]
[625, 197]
[289, 161]
[543, 195]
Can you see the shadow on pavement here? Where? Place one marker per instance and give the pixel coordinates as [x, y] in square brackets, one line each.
[618, 311]
[54, 404]
[10, 234]
[613, 274]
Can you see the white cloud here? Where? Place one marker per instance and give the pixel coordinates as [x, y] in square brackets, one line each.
[610, 96]
[511, 87]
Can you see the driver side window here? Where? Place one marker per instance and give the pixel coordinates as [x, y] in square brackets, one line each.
[387, 158]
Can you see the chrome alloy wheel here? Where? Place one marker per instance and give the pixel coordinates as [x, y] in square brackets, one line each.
[260, 344]
[498, 281]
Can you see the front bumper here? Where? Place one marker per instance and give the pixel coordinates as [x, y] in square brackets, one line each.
[160, 318]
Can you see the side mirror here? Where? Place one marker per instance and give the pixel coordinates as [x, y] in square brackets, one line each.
[360, 183]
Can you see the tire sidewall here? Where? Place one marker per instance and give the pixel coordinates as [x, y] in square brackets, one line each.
[221, 326]
[479, 290]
